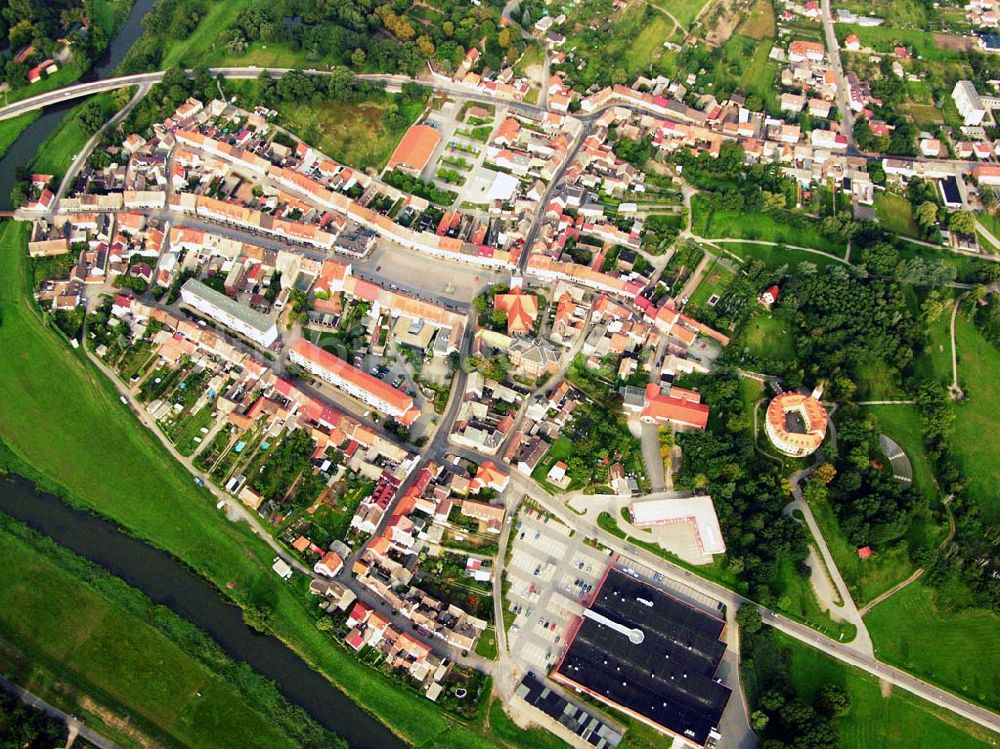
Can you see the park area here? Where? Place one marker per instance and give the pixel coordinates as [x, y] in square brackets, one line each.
[720, 223]
[976, 416]
[937, 635]
[770, 338]
[878, 716]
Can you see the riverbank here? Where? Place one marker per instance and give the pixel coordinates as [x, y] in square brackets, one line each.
[96, 647]
[63, 419]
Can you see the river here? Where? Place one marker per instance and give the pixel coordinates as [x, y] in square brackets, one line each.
[166, 582]
[24, 148]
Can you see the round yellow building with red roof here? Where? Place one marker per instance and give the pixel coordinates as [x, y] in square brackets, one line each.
[796, 423]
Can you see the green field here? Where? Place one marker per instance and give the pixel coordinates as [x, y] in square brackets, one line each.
[759, 23]
[191, 50]
[876, 381]
[884, 38]
[979, 458]
[866, 578]
[100, 457]
[684, 11]
[774, 257]
[896, 214]
[769, 338]
[959, 649]
[876, 720]
[648, 43]
[713, 223]
[902, 424]
[355, 134]
[759, 76]
[98, 651]
[56, 153]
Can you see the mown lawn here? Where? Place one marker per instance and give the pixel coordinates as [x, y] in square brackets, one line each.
[876, 381]
[61, 417]
[902, 424]
[715, 282]
[956, 648]
[55, 155]
[116, 658]
[875, 720]
[775, 257]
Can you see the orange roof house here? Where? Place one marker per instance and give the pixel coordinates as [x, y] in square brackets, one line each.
[415, 149]
[683, 411]
[521, 309]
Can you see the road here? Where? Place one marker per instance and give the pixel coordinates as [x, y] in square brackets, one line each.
[843, 92]
[393, 83]
[75, 726]
[536, 221]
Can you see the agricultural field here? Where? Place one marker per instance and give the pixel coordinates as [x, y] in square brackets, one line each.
[935, 634]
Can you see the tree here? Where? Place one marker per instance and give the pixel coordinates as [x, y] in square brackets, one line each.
[988, 196]
[504, 39]
[833, 701]
[358, 57]
[324, 624]
[825, 473]
[92, 116]
[773, 201]
[926, 214]
[748, 618]
[962, 222]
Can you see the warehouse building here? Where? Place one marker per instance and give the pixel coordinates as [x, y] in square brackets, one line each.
[651, 656]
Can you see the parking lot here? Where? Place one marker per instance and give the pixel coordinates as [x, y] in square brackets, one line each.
[551, 573]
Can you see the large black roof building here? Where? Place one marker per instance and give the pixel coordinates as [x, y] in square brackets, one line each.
[651, 655]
